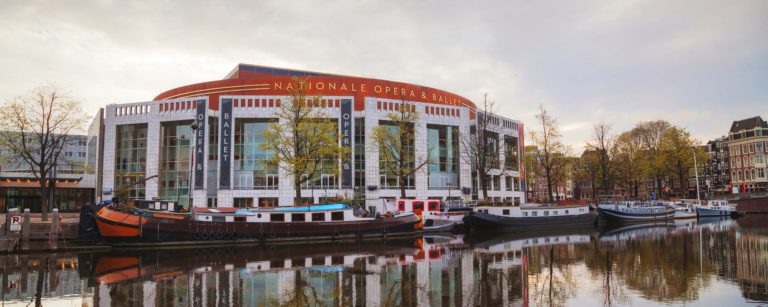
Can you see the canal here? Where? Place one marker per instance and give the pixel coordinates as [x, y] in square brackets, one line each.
[717, 262]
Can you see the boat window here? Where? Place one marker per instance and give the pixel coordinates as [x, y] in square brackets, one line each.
[554, 212]
[277, 217]
[218, 219]
[525, 213]
[297, 217]
[534, 213]
[546, 212]
[566, 211]
[418, 205]
[505, 212]
[239, 219]
[401, 205]
[337, 216]
[318, 217]
[433, 206]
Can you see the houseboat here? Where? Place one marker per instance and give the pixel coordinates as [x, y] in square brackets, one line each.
[328, 221]
[637, 211]
[716, 208]
[685, 210]
[528, 216]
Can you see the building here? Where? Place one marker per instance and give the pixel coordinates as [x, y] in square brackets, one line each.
[717, 172]
[144, 139]
[747, 147]
[72, 180]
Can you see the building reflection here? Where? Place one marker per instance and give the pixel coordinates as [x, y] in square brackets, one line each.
[667, 263]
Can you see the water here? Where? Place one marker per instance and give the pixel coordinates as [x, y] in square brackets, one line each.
[704, 263]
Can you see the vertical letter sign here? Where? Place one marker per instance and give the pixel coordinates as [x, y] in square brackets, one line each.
[200, 145]
[346, 142]
[225, 147]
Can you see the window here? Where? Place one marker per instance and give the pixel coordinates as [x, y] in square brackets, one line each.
[297, 217]
[401, 205]
[418, 205]
[546, 212]
[175, 150]
[554, 212]
[131, 159]
[511, 156]
[243, 202]
[443, 152]
[525, 213]
[277, 217]
[388, 165]
[253, 169]
[497, 183]
[337, 216]
[505, 212]
[761, 173]
[268, 202]
[212, 202]
[566, 211]
[433, 205]
[759, 147]
[534, 213]
[508, 183]
[318, 217]
[752, 148]
[743, 148]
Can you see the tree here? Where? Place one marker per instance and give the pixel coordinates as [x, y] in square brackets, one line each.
[678, 148]
[629, 168]
[304, 140]
[37, 128]
[651, 135]
[602, 144]
[587, 170]
[481, 146]
[395, 138]
[551, 150]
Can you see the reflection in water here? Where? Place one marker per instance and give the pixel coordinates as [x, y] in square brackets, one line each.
[661, 263]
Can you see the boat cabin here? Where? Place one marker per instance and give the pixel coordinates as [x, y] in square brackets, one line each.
[418, 206]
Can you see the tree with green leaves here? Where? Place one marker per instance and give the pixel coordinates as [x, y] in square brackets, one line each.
[304, 139]
[678, 148]
[36, 128]
[394, 138]
[651, 135]
[630, 166]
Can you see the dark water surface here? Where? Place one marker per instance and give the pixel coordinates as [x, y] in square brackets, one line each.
[699, 263]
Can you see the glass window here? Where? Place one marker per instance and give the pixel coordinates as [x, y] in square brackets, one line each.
[388, 169]
[277, 217]
[359, 158]
[443, 152]
[254, 168]
[505, 212]
[318, 217]
[131, 159]
[511, 153]
[297, 217]
[176, 143]
[245, 202]
[268, 202]
[337, 216]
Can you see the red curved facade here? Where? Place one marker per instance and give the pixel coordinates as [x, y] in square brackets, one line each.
[262, 80]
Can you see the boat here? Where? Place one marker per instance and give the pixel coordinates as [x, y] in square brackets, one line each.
[433, 215]
[637, 211]
[685, 210]
[716, 208]
[316, 221]
[434, 225]
[528, 216]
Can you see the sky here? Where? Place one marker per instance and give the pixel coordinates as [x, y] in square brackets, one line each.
[697, 64]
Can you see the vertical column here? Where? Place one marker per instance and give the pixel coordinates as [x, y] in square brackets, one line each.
[226, 122]
[108, 154]
[373, 285]
[153, 157]
[465, 170]
[286, 280]
[422, 281]
[422, 154]
[372, 116]
[149, 289]
[467, 278]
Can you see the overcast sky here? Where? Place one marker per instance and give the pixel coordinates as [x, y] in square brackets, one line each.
[698, 64]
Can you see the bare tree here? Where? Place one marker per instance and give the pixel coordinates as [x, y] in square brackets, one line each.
[551, 150]
[37, 127]
[305, 140]
[395, 141]
[602, 144]
[481, 146]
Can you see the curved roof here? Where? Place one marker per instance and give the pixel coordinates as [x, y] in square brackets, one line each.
[247, 79]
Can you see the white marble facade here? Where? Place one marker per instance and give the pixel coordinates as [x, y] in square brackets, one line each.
[153, 115]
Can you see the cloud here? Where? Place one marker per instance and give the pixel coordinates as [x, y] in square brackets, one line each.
[698, 64]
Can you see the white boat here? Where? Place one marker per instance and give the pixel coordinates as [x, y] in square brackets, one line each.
[637, 211]
[434, 225]
[685, 210]
[716, 208]
[530, 216]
